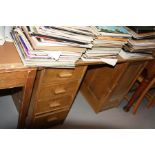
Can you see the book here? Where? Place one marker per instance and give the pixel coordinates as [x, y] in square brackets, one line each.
[144, 35]
[129, 55]
[41, 62]
[38, 45]
[116, 31]
[31, 57]
[142, 29]
[129, 48]
[112, 38]
[51, 32]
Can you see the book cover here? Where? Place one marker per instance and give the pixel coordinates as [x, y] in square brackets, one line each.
[112, 29]
[142, 29]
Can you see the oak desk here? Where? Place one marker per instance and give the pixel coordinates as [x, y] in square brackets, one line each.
[12, 75]
[54, 89]
[102, 85]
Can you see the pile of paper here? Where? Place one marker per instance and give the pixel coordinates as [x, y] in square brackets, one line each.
[132, 55]
[142, 41]
[5, 34]
[108, 43]
[51, 46]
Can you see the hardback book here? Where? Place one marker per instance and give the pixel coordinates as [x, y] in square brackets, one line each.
[113, 31]
[142, 29]
[129, 48]
[112, 38]
[143, 42]
[129, 55]
[144, 35]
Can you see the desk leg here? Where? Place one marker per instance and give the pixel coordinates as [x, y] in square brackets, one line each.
[27, 90]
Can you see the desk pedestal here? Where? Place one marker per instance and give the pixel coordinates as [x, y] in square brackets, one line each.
[104, 87]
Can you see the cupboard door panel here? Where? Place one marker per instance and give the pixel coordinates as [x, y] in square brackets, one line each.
[125, 83]
[104, 80]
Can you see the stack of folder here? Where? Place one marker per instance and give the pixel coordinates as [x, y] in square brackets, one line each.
[142, 41]
[52, 46]
[108, 42]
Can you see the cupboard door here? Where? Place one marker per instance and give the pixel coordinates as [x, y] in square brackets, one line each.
[124, 84]
[99, 82]
[104, 87]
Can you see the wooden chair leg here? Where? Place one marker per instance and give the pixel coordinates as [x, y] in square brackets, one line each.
[27, 90]
[142, 96]
[137, 93]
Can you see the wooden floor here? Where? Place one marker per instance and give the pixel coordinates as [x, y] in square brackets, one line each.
[82, 116]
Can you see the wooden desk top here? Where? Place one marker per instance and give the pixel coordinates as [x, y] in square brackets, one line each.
[10, 59]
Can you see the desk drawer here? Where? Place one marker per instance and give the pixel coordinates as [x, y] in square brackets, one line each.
[55, 91]
[54, 104]
[61, 75]
[12, 79]
[46, 121]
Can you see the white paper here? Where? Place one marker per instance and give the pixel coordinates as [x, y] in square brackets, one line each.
[8, 37]
[90, 60]
[55, 55]
[2, 35]
[109, 61]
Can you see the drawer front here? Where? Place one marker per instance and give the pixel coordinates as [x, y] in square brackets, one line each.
[54, 104]
[12, 79]
[46, 121]
[61, 75]
[55, 91]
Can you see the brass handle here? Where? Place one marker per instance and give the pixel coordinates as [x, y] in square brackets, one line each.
[65, 74]
[52, 119]
[59, 91]
[54, 104]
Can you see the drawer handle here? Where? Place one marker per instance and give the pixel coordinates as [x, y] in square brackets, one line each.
[59, 91]
[52, 119]
[65, 75]
[54, 104]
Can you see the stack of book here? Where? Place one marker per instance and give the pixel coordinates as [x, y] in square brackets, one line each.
[142, 32]
[142, 42]
[52, 46]
[108, 42]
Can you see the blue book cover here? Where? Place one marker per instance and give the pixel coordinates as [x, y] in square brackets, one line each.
[112, 29]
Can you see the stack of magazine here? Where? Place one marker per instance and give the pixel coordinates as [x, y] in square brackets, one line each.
[108, 42]
[142, 43]
[52, 46]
